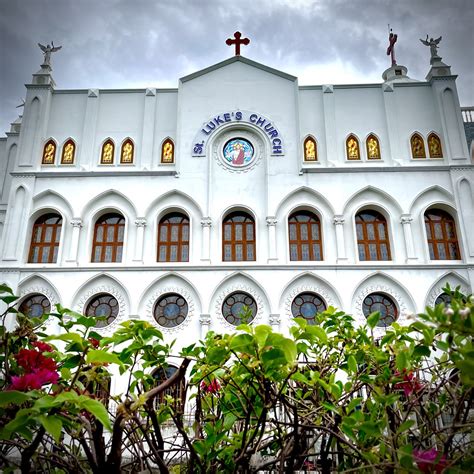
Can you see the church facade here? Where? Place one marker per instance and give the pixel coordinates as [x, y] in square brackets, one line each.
[238, 188]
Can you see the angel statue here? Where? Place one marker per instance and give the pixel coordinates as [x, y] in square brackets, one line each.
[433, 44]
[47, 50]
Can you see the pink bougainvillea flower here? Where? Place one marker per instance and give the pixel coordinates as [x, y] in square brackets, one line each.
[34, 380]
[32, 360]
[430, 461]
[94, 342]
[42, 346]
[409, 385]
[213, 387]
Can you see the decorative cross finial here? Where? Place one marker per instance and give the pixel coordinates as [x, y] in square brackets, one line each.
[237, 41]
[392, 39]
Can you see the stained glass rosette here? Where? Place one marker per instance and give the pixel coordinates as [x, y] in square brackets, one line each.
[238, 153]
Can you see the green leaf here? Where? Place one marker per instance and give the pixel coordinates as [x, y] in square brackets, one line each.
[53, 425]
[405, 426]
[9, 299]
[97, 409]
[420, 351]
[242, 343]
[102, 357]
[352, 364]
[353, 404]
[370, 428]
[319, 332]
[70, 336]
[373, 319]
[13, 396]
[261, 333]
[401, 361]
[5, 289]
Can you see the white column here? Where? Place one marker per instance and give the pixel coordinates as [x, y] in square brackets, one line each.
[140, 222]
[205, 320]
[338, 221]
[271, 224]
[406, 221]
[206, 223]
[275, 321]
[76, 223]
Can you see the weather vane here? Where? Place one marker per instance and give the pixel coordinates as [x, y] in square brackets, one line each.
[237, 41]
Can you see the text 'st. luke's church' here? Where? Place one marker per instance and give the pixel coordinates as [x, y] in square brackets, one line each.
[239, 187]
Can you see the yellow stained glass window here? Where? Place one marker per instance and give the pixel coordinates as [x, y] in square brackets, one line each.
[310, 150]
[373, 148]
[127, 152]
[352, 148]
[417, 146]
[49, 153]
[434, 146]
[107, 156]
[69, 150]
[167, 152]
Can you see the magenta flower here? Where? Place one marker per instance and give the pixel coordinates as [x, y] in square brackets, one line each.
[34, 380]
[32, 360]
[430, 461]
[409, 385]
[42, 346]
[213, 387]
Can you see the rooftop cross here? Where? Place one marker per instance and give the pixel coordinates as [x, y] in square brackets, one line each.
[392, 39]
[237, 41]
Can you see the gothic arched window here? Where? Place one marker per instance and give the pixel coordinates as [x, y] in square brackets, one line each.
[417, 146]
[238, 242]
[107, 153]
[108, 238]
[441, 234]
[310, 149]
[103, 306]
[305, 236]
[69, 152]
[307, 305]
[49, 153]
[382, 303]
[45, 238]
[352, 148]
[35, 305]
[373, 147]
[127, 152]
[167, 151]
[434, 146]
[173, 238]
[372, 236]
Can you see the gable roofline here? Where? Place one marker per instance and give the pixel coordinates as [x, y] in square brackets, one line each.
[232, 60]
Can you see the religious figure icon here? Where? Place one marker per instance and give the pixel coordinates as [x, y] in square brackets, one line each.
[433, 44]
[47, 50]
[392, 39]
[238, 152]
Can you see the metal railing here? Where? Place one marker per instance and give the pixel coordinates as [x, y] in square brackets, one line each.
[467, 114]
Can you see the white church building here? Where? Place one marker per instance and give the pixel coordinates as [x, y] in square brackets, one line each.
[238, 187]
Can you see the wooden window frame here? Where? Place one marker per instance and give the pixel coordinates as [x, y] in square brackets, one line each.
[412, 147]
[69, 141]
[244, 242]
[109, 140]
[41, 244]
[377, 241]
[445, 240]
[125, 142]
[299, 242]
[176, 391]
[372, 136]
[352, 136]
[305, 159]
[434, 136]
[49, 142]
[168, 140]
[169, 243]
[115, 243]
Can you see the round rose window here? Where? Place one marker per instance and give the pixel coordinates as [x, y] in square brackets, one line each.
[170, 310]
[384, 304]
[104, 306]
[234, 306]
[238, 152]
[307, 306]
[34, 306]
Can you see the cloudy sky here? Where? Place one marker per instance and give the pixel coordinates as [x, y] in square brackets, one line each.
[140, 43]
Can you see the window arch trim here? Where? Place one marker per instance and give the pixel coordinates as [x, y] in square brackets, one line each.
[49, 152]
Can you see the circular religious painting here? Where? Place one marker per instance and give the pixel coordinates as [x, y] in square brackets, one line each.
[170, 310]
[238, 152]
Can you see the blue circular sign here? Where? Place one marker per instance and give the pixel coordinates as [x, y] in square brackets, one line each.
[238, 152]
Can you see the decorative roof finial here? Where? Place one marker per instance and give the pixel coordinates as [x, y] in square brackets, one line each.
[433, 44]
[47, 50]
[237, 41]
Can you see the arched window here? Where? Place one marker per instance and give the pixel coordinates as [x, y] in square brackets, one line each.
[103, 306]
[69, 151]
[373, 148]
[372, 236]
[305, 236]
[434, 146]
[310, 149]
[443, 298]
[234, 306]
[167, 151]
[127, 151]
[170, 310]
[177, 392]
[35, 305]
[352, 148]
[383, 303]
[45, 238]
[238, 243]
[49, 153]
[107, 154]
[417, 146]
[307, 305]
[108, 238]
[173, 238]
[441, 234]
